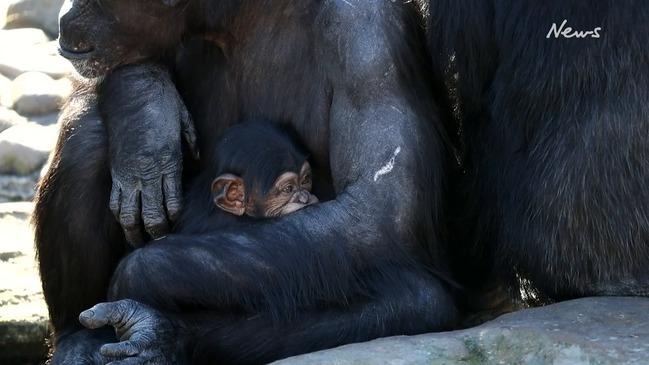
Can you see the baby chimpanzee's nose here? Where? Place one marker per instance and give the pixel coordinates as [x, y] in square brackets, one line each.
[303, 198]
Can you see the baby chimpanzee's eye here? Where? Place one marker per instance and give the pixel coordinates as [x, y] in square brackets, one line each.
[288, 189]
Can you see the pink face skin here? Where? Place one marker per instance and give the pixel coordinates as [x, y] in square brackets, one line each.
[290, 193]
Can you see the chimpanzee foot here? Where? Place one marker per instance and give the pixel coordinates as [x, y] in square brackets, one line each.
[146, 336]
[82, 348]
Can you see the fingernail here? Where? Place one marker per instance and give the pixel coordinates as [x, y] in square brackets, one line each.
[87, 314]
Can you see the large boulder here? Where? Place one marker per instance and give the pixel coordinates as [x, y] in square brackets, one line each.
[45, 119]
[5, 91]
[9, 118]
[35, 93]
[43, 14]
[17, 188]
[4, 5]
[24, 148]
[587, 331]
[23, 313]
[40, 57]
[22, 37]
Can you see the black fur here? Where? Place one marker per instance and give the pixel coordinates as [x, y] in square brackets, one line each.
[556, 141]
[347, 77]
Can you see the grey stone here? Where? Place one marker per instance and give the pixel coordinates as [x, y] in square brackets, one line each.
[5, 91]
[23, 313]
[36, 93]
[587, 331]
[12, 38]
[3, 13]
[47, 119]
[41, 57]
[41, 14]
[24, 148]
[9, 118]
[17, 188]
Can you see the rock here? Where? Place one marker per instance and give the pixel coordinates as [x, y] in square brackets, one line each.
[35, 93]
[41, 14]
[24, 148]
[23, 313]
[586, 331]
[18, 188]
[10, 39]
[9, 118]
[47, 119]
[5, 91]
[41, 57]
[3, 13]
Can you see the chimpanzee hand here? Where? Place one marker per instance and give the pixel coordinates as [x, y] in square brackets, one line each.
[146, 336]
[145, 118]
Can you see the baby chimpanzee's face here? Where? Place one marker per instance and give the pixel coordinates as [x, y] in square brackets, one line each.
[290, 192]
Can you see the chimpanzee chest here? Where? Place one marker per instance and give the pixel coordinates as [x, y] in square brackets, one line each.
[279, 77]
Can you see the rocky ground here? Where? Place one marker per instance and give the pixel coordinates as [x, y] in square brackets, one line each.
[23, 314]
[597, 331]
[33, 85]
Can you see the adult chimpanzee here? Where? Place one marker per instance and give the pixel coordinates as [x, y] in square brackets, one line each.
[347, 76]
[555, 104]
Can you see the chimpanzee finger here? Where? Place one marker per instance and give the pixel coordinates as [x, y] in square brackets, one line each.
[120, 349]
[189, 132]
[130, 218]
[129, 361]
[153, 214]
[171, 186]
[104, 314]
[114, 204]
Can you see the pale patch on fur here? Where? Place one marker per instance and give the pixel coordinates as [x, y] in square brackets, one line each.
[388, 167]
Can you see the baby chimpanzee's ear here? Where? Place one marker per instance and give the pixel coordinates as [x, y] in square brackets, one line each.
[229, 194]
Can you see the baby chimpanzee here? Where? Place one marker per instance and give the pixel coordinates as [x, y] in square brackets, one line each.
[261, 172]
[257, 171]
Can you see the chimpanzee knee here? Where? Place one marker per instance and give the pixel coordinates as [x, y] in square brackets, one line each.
[144, 276]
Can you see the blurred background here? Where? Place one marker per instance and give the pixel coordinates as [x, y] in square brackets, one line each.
[33, 84]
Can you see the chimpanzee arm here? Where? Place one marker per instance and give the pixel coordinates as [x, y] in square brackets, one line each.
[144, 138]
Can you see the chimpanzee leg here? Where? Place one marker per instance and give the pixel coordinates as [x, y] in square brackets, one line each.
[393, 301]
[415, 305]
[78, 241]
[82, 347]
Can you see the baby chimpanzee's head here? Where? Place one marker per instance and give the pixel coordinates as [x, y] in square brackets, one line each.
[261, 172]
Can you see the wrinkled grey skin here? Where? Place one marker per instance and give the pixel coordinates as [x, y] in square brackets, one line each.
[143, 336]
[143, 333]
[146, 157]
